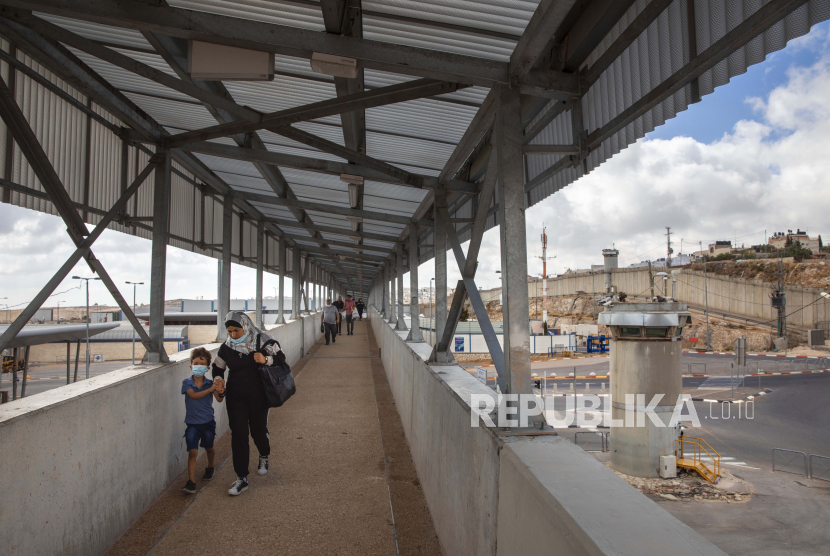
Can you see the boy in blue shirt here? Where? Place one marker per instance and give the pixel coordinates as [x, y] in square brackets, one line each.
[199, 415]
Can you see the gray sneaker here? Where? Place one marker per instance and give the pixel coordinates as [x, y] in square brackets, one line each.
[262, 469]
[239, 486]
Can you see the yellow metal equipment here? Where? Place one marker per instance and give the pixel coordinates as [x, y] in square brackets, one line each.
[8, 364]
[710, 469]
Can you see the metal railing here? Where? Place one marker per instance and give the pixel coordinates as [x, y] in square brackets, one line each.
[822, 470]
[699, 447]
[690, 365]
[790, 461]
[603, 437]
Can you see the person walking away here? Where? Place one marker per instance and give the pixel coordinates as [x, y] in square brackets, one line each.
[339, 304]
[360, 306]
[329, 318]
[349, 308]
[243, 353]
[201, 426]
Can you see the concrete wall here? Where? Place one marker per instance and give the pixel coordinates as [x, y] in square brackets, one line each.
[492, 495]
[81, 462]
[749, 298]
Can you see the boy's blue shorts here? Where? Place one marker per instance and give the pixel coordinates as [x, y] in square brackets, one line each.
[206, 432]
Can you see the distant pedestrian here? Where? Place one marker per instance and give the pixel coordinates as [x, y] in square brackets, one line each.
[349, 308]
[201, 426]
[360, 306]
[339, 304]
[243, 353]
[329, 318]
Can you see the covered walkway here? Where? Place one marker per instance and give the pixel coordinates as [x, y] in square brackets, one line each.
[339, 457]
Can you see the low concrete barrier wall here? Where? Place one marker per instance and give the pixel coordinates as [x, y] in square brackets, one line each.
[81, 462]
[492, 495]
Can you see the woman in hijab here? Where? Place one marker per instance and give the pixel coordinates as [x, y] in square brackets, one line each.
[243, 353]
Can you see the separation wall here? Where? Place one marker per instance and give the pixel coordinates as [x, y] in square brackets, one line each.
[492, 495]
[749, 298]
[81, 462]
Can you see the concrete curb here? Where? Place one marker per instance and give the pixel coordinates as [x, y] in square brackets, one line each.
[756, 354]
[746, 399]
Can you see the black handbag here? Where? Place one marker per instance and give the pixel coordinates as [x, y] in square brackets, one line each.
[277, 381]
[322, 328]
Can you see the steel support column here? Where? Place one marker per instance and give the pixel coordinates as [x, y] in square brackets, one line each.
[513, 242]
[281, 289]
[384, 301]
[440, 253]
[401, 325]
[296, 282]
[158, 265]
[393, 290]
[414, 302]
[224, 269]
[260, 240]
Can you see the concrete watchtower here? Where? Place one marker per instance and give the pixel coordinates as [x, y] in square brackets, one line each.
[646, 360]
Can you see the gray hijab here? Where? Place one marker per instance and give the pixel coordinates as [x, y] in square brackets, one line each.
[248, 345]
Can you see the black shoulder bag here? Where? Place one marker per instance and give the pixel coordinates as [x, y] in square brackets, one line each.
[277, 379]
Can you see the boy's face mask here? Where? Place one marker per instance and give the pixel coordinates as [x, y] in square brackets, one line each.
[199, 370]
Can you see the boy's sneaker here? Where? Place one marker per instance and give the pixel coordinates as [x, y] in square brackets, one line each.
[239, 486]
[262, 469]
[190, 487]
[209, 472]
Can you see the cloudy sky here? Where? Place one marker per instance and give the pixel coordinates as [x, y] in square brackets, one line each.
[750, 158]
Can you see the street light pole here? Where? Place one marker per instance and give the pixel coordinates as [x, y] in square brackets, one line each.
[87, 319]
[134, 284]
[706, 289]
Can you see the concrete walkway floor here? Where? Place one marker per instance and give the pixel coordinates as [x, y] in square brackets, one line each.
[340, 469]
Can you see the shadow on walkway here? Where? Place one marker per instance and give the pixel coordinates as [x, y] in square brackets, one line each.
[339, 460]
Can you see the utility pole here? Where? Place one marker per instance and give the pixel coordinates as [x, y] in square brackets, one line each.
[779, 301]
[134, 285]
[706, 289]
[651, 281]
[669, 250]
[544, 258]
[87, 318]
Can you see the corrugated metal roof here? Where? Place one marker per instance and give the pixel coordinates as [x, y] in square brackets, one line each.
[417, 136]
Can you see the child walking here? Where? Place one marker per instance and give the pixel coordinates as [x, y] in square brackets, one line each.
[199, 415]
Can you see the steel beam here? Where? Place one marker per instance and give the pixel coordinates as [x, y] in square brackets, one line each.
[158, 264]
[544, 22]
[280, 39]
[513, 243]
[400, 92]
[401, 323]
[767, 16]
[440, 254]
[468, 267]
[260, 240]
[330, 209]
[51, 183]
[320, 165]
[82, 250]
[547, 118]
[550, 149]
[281, 288]
[651, 11]
[224, 269]
[351, 155]
[296, 282]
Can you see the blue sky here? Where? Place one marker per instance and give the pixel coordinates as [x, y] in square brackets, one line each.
[717, 114]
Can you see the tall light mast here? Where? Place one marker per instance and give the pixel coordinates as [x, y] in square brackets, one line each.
[544, 258]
